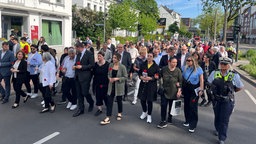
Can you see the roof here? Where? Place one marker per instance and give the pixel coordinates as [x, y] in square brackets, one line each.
[169, 10]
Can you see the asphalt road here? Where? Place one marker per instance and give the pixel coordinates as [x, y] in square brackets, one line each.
[25, 125]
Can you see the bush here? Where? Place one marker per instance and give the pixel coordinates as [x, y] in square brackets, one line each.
[253, 60]
[251, 53]
[251, 69]
[241, 55]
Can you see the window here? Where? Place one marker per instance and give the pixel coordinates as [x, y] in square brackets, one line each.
[95, 8]
[100, 9]
[52, 31]
[89, 5]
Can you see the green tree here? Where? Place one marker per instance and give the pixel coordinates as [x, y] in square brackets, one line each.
[207, 21]
[84, 23]
[174, 27]
[148, 15]
[231, 9]
[123, 16]
[183, 31]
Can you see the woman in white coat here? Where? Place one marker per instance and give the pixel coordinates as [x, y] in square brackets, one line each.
[46, 79]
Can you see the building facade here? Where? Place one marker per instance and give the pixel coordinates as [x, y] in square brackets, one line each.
[95, 5]
[248, 25]
[170, 17]
[98, 6]
[49, 18]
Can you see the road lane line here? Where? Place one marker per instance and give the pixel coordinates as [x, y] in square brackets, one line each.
[129, 93]
[43, 140]
[250, 95]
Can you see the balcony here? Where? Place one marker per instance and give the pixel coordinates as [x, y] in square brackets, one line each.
[16, 2]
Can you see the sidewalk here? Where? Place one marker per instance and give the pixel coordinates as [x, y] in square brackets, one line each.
[251, 46]
[242, 73]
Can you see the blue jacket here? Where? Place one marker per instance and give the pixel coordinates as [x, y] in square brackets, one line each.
[6, 63]
[34, 62]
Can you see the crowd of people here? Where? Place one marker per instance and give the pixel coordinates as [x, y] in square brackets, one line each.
[169, 69]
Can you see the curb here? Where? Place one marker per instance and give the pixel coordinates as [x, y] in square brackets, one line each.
[247, 79]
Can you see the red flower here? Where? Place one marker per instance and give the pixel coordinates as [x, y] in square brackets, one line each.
[12, 63]
[101, 86]
[156, 74]
[78, 63]
[45, 79]
[193, 100]
[144, 70]
[110, 69]
[60, 68]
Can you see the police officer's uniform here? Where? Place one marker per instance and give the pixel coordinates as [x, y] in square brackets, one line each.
[223, 88]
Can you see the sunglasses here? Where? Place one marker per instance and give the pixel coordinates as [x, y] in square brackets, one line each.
[188, 60]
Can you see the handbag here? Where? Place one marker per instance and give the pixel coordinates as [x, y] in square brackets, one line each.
[176, 108]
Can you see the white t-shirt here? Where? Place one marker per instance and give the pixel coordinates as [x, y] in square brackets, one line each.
[134, 53]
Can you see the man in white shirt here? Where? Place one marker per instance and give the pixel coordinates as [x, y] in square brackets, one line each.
[69, 83]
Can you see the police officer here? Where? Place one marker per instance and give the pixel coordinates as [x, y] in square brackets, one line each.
[224, 84]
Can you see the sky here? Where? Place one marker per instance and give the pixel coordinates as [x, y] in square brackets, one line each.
[186, 8]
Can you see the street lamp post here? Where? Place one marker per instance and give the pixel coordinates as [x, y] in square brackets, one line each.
[238, 32]
[104, 35]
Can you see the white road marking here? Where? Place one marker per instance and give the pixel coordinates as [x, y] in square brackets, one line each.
[43, 140]
[129, 93]
[250, 95]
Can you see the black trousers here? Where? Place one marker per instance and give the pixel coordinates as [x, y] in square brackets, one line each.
[82, 89]
[17, 85]
[111, 102]
[147, 106]
[35, 80]
[69, 89]
[222, 113]
[164, 105]
[47, 95]
[190, 106]
[101, 96]
[27, 82]
[64, 97]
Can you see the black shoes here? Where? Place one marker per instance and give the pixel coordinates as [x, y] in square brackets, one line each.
[15, 105]
[53, 107]
[25, 99]
[162, 124]
[45, 110]
[98, 112]
[5, 101]
[78, 112]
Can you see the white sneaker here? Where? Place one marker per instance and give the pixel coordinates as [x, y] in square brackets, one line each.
[34, 95]
[42, 103]
[69, 105]
[149, 119]
[29, 94]
[143, 115]
[134, 102]
[73, 107]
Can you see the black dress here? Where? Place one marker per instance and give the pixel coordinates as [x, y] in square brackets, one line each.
[114, 74]
[100, 82]
[148, 90]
